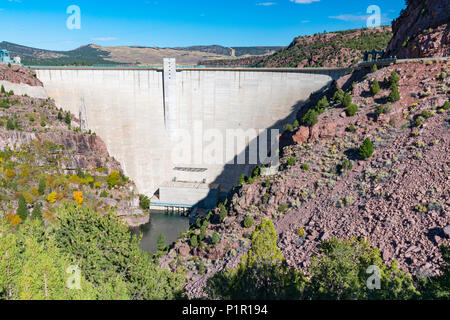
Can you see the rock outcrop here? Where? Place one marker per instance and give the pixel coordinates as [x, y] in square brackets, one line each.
[422, 30]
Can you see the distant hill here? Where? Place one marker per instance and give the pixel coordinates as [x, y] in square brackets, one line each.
[93, 54]
[335, 49]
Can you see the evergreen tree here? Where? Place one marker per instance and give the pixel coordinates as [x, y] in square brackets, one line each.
[366, 150]
[375, 88]
[22, 210]
[311, 118]
[161, 243]
[42, 186]
[347, 100]
[10, 125]
[394, 96]
[68, 119]
[36, 213]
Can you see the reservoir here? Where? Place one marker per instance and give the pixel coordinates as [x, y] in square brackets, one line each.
[171, 225]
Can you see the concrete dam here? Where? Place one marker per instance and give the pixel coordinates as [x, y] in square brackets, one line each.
[146, 116]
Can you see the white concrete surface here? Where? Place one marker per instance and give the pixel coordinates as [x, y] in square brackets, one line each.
[126, 108]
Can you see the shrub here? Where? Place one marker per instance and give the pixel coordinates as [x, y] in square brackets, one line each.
[375, 88]
[52, 197]
[68, 119]
[161, 243]
[36, 214]
[215, 238]
[223, 213]
[310, 118]
[193, 241]
[346, 165]
[351, 128]
[113, 179]
[43, 124]
[2, 90]
[241, 180]
[347, 101]
[446, 105]
[60, 116]
[352, 110]
[288, 127]
[374, 68]
[305, 167]
[144, 202]
[427, 114]
[248, 222]
[291, 161]
[104, 194]
[41, 188]
[394, 96]
[22, 210]
[394, 79]
[339, 96]
[366, 150]
[10, 125]
[322, 105]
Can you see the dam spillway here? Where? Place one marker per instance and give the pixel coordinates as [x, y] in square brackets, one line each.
[137, 110]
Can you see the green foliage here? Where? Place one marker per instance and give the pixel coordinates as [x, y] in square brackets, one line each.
[366, 150]
[351, 128]
[346, 165]
[113, 179]
[262, 274]
[339, 96]
[36, 213]
[291, 161]
[310, 118]
[101, 245]
[60, 116]
[2, 90]
[248, 222]
[68, 119]
[375, 87]
[446, 105]
[223, 213]
[394, 79]
[322, 105]
[288, 127]
[394, 96]
[193, 241]
[161, 243]
[305, 167]
[144, 202]
[241, 180]
[22, 209]
[352, 110]
[215, 238]
[10, 125]
[347, 101]
[340, 272]
[374, 68]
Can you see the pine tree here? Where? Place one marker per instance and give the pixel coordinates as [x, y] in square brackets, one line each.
[375, 88]
[68, 120]
[366, 150]
[161, 243]
[394, 96]
[42, 185]
[36, 214]
[347, 100]
[22, 210]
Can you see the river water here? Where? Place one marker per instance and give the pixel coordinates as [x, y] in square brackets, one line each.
[171, 225]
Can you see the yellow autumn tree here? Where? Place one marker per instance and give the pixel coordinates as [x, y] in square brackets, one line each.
[78, 197]
[52, 197]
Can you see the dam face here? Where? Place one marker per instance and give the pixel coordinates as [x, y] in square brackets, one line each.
[139, 113]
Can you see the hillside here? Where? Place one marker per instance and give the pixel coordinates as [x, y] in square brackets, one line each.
[422, 30]
[325, 190]
[336, 49]
[129, 55]
[48, 160]
[65, 209]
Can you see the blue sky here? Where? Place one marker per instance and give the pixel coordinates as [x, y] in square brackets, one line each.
[169, 23]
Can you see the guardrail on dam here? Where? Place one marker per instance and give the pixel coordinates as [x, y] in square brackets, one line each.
[137, 110]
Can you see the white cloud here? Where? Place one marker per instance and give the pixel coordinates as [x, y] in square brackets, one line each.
[350, 17]
[104, 39]
[304, 1]
[266, 4]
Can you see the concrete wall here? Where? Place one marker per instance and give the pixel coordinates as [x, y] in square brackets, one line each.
[126, 108]
[22, 89]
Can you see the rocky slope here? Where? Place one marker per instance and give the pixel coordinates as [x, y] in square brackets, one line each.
[422, 30]
[45, 158]
[398, 199]
[335, 49]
